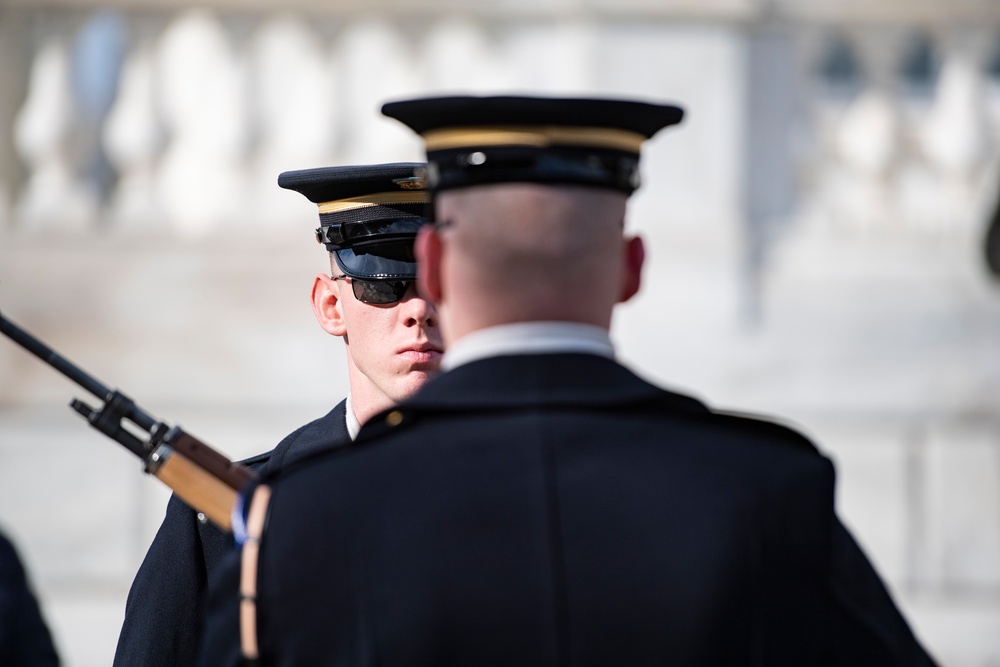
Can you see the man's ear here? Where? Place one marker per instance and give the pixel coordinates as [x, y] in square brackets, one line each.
[635, 255]
[429, 252]
[327, 305]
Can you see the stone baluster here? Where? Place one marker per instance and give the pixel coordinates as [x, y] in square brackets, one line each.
[957, 137]
[133, 139]
[457, 56]
[10, 97]
[96, 57]
[296, 118]
[54, 196]
[991, 83]
[866, 140]
[550, 58]
[832, 79]
[374, 64]
[201, 87]
[917, 185]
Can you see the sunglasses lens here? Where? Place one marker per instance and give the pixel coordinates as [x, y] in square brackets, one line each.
[379, 292]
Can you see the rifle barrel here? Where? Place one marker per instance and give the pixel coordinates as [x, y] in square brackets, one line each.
[51, 357]
[69, 369]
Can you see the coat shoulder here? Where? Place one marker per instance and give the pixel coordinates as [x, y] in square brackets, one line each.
[327, 432]
[765, 429]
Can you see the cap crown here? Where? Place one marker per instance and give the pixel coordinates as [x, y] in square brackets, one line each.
[476, 140]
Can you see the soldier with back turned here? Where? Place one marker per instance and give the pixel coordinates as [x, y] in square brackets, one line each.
[538, 503]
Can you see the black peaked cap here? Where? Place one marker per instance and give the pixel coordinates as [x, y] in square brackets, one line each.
[476, 140]
[369, 215]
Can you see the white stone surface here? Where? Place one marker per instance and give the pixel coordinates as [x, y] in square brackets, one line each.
[874, 491]
[959, 632]
[963, 496]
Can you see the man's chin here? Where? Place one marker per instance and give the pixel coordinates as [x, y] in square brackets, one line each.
[414, 380]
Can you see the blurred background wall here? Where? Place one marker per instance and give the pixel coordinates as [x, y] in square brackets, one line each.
[815, 235]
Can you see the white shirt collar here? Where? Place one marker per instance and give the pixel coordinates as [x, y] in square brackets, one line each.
[529, 338]
[353, 425]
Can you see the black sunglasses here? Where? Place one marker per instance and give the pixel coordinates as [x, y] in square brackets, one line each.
[377, 292]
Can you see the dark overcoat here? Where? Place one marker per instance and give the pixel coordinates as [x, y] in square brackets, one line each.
[558, 510]
[163, 614]
[25, 640]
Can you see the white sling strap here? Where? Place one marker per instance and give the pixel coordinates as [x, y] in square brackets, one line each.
[248, 572]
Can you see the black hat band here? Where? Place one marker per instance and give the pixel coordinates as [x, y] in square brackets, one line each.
[554, 165]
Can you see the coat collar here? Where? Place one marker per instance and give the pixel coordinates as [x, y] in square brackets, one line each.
[541, 380]
[323, 433]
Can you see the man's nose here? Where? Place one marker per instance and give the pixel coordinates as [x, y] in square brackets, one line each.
[417, 309]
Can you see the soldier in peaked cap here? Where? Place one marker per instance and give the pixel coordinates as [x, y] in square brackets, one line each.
[369, 217]
[538, 503]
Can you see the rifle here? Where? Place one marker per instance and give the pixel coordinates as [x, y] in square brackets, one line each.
[200, 476]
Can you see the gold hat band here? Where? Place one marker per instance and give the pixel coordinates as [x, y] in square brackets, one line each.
[540, 136]
[409, 197]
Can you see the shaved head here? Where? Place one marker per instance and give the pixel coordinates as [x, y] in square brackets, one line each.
[519, 252]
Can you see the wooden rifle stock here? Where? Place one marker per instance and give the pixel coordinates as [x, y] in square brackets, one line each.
[200, 476]
[197, 487]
